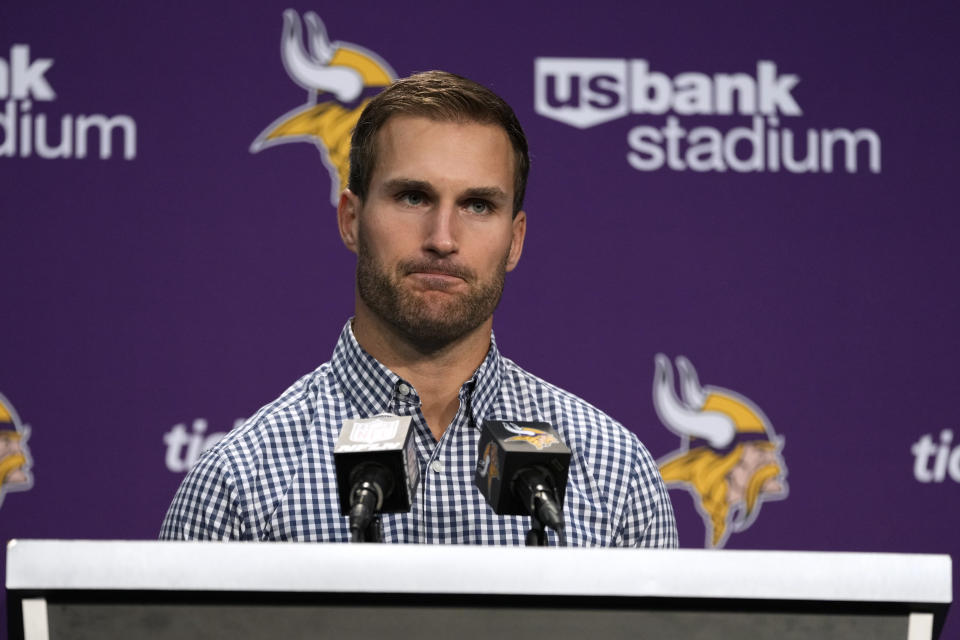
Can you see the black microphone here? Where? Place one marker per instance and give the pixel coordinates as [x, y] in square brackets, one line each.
[377, 471]
[522, 470]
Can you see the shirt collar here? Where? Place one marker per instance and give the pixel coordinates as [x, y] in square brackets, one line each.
[484, 385]
[370, 386]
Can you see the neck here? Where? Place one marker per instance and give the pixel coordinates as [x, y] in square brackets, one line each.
[437, 375]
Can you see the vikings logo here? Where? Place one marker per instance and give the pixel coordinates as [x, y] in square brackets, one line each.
[488, 466]
[729, 457]
[15, 459]
[340, 78]
[536, 437]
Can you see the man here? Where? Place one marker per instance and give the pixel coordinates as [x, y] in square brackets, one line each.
[433, 210]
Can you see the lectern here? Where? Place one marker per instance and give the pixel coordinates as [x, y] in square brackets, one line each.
[108, 590]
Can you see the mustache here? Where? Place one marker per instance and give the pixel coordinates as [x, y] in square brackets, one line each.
[760, 478]
[437, 266]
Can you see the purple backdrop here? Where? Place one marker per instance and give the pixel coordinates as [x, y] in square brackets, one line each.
[155, 296]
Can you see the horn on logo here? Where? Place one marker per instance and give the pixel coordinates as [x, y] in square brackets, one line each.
[682, 418]
[320, 45]
[518, 430]
[690, 389]
[317, 74]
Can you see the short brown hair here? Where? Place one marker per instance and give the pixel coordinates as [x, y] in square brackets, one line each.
[442, 96]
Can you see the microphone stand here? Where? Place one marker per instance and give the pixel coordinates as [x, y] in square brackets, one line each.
[537, 536]
[366, 499]
[374, 530]
[365, 523]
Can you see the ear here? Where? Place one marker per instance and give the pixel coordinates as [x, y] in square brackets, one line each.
[516, 243]
[348, 211]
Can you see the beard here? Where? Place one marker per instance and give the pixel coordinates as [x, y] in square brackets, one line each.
[427, 325]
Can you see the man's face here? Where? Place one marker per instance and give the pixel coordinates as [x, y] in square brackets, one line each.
[436, 234]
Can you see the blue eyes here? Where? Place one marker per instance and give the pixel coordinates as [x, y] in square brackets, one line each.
[478, 206]
[412, 198]
[418, 199]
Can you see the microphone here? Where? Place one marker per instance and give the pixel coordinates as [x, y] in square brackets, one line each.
[522, 470]
[377, 472]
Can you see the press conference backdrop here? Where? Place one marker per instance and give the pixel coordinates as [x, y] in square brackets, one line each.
[742, 211]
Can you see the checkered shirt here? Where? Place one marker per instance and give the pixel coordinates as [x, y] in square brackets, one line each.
[273, 478]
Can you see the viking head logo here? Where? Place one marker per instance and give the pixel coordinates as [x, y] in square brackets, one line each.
[340, 78]
[729, 457]
[15, 461]
[537, 437]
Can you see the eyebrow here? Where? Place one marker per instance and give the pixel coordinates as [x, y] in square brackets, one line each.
[490, 193]
[409, 184]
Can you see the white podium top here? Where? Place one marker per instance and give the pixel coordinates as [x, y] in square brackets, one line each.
[404, 569]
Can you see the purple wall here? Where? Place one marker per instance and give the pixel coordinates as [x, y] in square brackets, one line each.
[154, 299]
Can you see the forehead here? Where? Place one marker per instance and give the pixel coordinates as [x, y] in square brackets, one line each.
[467, 154]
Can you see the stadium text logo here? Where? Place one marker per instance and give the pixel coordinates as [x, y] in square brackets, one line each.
[184, 449]
[25, 129]
[729, 457]
[933, 461]
[585, 92]
[340, 78]
[15, 460]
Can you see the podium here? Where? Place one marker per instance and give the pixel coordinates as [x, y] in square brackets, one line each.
[285, 591]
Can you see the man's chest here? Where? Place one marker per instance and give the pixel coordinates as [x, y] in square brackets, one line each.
[447, 506]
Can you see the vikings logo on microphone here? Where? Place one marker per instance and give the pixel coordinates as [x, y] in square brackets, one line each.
[340, 78]
[729, 457]
[537, 437]
[15, 461]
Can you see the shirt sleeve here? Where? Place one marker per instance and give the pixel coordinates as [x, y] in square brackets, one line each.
[207, 505]
[649, 521]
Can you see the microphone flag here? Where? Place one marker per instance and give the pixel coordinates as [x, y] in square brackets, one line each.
[383, 441]
[508, 447]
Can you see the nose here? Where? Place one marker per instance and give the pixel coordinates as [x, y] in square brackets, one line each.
[441, 231]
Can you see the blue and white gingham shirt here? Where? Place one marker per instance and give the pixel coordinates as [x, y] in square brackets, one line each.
[273, 478]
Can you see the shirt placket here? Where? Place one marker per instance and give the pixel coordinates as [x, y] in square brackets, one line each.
[406, 402]
[435, 467]
[446, 463]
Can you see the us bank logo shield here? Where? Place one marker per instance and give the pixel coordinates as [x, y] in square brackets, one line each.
[339, 78]
[730, 459]
[581, 92]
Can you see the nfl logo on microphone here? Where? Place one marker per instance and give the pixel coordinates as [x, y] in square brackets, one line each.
[374, 430]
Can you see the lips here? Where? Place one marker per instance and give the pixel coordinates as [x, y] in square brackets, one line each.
[432, 280]
[437, 272]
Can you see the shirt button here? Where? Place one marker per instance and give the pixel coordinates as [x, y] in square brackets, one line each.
[404, 390]
[437, 466]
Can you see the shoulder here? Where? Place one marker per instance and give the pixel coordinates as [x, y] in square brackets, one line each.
[236, 484]
[573, 416]
[282, 426]
[613, 477]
